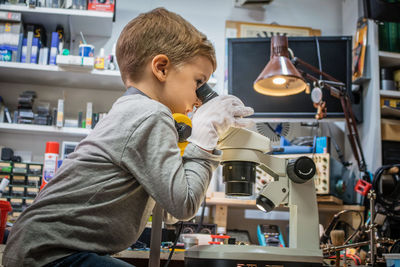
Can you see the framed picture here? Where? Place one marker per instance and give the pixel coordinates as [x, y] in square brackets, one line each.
[237, 29]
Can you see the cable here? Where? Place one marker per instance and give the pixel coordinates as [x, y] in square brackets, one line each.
[337, 148]
[273, 130]
[174, 246]
[389, 202]
[303, 141]
[202, 215]
[319, 56]
[332, 224]
[351, 256]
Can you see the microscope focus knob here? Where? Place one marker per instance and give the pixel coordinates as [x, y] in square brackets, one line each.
[301, 170]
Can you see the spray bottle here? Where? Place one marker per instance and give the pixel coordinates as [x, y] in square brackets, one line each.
[4, 183]
[50, 162]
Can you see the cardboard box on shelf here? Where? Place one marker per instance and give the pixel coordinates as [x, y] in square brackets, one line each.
[105, 5]
[390, 130]
[75, 62]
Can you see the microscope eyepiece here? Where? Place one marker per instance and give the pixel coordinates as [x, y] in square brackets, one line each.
[205, 93]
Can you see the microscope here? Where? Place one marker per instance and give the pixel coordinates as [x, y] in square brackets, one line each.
[293, 186]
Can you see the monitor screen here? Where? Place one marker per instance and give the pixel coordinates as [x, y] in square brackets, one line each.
[247, 57]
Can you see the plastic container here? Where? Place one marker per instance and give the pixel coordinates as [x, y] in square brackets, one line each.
[50, 162]
[5, 208]
[392, 260]
[86, 50]
[99, 60]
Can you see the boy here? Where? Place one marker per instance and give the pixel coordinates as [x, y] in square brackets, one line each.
[103, 194]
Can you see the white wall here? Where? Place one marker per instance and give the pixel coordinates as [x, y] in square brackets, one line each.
[210, 16]
[351, 10]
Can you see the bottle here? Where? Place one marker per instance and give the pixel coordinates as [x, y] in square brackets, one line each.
[111, 59]
[4, 183]
[89, 114]
[99, 60]
[50, 162]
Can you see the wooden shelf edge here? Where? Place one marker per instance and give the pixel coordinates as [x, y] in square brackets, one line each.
[251, 203]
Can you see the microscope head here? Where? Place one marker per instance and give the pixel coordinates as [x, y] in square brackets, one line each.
[242, 151]
[241, 154]
[298, 171]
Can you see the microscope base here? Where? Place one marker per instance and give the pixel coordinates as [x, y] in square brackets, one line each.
[251, 256]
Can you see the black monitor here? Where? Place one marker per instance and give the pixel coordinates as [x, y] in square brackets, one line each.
[247, 57]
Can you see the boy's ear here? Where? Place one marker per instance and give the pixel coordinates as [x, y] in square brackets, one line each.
[160, 66]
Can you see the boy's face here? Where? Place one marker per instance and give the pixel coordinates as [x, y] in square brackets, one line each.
[179, 93]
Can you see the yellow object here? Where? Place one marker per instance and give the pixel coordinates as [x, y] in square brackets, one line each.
[178, 249]
[99, 60]
[182, 118]
[99, 63]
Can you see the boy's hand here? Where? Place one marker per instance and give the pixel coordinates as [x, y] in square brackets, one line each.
[215, 117]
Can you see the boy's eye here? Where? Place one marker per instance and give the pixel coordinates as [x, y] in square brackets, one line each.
[199, 83]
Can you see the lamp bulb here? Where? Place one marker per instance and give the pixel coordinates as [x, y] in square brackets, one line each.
[279, 80]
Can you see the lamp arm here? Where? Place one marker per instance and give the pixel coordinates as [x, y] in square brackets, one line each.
[333, 90]
[297, 61]
[353, 136]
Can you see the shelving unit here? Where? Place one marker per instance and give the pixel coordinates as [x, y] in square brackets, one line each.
[93, 23]
[43, 130]
[15, 72]
[371, 127]
[24, 183]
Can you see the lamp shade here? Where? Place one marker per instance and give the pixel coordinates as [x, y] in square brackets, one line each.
[279, 77]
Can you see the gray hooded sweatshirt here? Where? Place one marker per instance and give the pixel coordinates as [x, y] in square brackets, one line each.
[103, 194]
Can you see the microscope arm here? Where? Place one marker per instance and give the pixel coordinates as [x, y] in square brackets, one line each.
[293, 184]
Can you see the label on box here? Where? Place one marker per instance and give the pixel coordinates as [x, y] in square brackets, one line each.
[107, 5]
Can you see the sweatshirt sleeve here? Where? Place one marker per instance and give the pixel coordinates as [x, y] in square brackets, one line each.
[177, 183]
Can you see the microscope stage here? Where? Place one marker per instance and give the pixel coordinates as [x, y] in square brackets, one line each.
[250, 256]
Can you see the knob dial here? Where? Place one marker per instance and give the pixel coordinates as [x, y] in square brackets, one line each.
[301, 170]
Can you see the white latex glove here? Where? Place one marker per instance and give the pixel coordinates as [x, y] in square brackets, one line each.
[214, 118]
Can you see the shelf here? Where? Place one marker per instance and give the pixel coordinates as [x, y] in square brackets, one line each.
[294, 120]
[132, 254]
[361, 80]
[16, 197]
[93, 23]
[22, 185]
[26, 73]
[389, 59]
[389, 93]
[41, 129]
[251, 204]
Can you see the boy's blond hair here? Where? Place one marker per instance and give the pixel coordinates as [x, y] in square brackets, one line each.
[159, 32]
